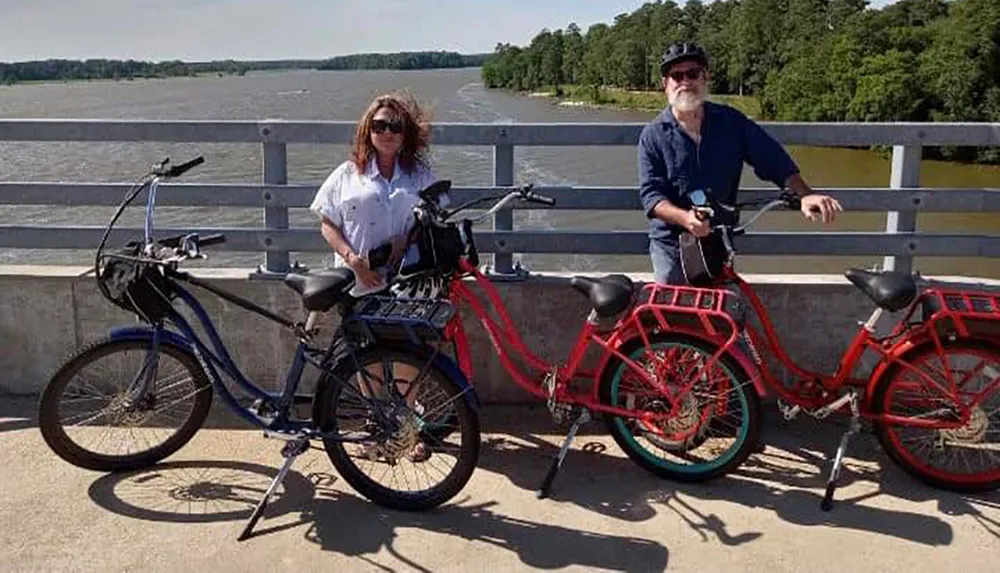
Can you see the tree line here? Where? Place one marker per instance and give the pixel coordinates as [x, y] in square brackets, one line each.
[404, 61]
[804, 60]
[106, 69]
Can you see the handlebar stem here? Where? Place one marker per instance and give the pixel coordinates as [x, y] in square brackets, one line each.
[150, 205]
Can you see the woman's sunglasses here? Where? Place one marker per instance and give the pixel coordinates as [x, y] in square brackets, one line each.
[380, 125]
[690, 73]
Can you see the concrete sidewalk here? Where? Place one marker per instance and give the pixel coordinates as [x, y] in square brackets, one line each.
[606, 514]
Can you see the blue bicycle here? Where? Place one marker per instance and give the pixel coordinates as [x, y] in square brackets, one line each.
[145, 390]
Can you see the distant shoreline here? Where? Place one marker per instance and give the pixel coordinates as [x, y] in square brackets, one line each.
[64, 70]
[610, 97]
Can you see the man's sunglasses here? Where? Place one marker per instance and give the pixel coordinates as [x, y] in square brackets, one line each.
[380, 125]
[690, 73]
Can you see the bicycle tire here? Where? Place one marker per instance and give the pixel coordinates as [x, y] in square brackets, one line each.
[884, 432]
[325, 418]
[60, 443]
[744, 391]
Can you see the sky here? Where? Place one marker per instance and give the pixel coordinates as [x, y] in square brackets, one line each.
[279, 29]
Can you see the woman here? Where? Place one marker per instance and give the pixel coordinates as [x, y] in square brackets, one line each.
[368, 200]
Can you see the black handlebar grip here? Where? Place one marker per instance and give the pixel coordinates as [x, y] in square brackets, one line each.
[183, 168]
[792, 200]
[211, 240]
[171, 242]
[542, 199]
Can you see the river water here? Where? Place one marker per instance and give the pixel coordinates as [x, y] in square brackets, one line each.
[451, 96]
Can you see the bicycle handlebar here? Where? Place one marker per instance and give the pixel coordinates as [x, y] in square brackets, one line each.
[786, 199]
[161, 170]
[522, 192]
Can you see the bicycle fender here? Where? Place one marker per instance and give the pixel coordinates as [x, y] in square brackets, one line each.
[748, 365]
[146, 333]
[449, 367]
[898, 351]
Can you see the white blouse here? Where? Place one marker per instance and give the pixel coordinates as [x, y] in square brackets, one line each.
[369, 209]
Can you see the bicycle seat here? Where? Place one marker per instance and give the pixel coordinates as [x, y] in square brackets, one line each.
[322, 290]
[609, 294]
[891, 290]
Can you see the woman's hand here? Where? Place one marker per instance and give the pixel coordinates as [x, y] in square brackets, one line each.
[362, 272]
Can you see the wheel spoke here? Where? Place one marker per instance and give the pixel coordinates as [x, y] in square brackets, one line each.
[968, 455]
[125, 432]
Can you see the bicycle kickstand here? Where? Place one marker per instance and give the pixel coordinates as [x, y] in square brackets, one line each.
[546, 487]
[838, 461]
[291, 450]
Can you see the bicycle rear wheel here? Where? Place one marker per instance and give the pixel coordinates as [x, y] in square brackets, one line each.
[405, 460]
[964, 459]
[714, 427]
[98, 379]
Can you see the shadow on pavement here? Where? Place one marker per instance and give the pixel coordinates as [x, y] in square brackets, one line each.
[215, 491]
[788, 479]
[201, 491]
[540, 545]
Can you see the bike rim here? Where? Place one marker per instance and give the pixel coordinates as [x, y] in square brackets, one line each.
[426, 449]
[967, 449]
[717, 372]
[110, 418]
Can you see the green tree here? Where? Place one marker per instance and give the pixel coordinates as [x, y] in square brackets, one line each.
[572, 56]
[888, 88]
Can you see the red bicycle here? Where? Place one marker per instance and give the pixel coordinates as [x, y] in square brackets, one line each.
[931, 419]
[689, 428]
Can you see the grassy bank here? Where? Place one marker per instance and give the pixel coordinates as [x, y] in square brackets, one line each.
[618, 98]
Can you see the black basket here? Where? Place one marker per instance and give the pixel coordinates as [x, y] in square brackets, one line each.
[440, 247]
[135, 284]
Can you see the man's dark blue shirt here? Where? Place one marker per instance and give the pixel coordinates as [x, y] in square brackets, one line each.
[671, 165]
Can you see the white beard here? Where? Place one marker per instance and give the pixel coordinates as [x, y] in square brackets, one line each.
[687, 101]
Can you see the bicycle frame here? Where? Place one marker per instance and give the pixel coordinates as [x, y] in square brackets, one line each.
[633, 325]
[815, 389]
[216, 357]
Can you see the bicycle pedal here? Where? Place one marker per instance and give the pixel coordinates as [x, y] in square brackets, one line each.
[295, 448]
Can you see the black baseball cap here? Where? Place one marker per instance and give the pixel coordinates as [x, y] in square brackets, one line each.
[682, 51]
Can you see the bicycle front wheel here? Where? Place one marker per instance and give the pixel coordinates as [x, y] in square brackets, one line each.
[382, 414]
[91, 416]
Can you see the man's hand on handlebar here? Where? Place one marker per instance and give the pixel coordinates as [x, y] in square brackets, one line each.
[696, 221]
[816, 206]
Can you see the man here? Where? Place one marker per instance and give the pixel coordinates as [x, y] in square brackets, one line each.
[695, 144]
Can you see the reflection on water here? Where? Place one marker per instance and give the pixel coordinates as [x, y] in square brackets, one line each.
[451, 96]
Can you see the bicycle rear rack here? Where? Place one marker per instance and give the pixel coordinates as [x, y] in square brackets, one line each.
[719, 312]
